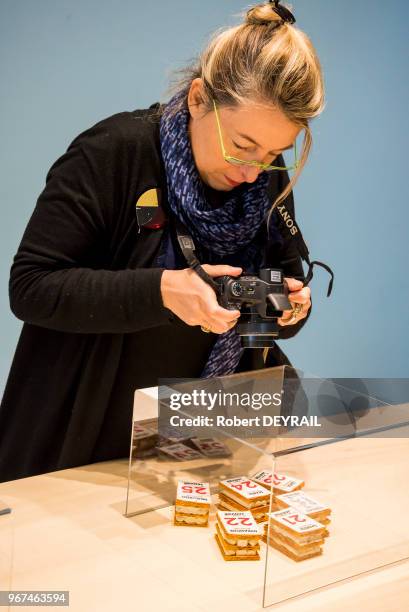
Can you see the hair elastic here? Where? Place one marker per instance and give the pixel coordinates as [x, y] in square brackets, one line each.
[282, 11]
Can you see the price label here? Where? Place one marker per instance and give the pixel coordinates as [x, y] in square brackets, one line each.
[180, 452]
[198, 492]
[235, 520]
[293, 519]
[279, 481]
[247, 484]
[211, 447]
[140, 432]
[286, 483]
[296, 521]
[238, 523]
[302, 502]
[245, 487]
[263, 477]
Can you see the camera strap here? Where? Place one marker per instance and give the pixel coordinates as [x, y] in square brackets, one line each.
[188, 248]
[288, 226]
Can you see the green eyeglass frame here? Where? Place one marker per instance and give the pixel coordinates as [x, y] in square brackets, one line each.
[255, 164]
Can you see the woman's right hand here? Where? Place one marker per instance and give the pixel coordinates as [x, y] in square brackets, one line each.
[194, 301]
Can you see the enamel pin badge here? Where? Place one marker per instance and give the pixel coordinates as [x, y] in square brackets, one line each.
[149, 212]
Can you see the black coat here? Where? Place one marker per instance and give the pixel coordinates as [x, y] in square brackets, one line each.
[95, 328]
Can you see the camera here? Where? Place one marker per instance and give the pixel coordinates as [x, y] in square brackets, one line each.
[261, 301]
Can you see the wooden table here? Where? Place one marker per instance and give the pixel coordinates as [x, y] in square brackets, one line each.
[67, 531]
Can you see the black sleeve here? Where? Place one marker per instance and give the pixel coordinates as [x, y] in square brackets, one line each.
[60, 277]
[284, 254]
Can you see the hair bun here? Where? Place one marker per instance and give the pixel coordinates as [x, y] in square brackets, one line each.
[262, 14]
[271, 13]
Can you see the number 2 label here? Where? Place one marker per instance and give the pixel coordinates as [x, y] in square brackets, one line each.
[296, 519]
[234, 521]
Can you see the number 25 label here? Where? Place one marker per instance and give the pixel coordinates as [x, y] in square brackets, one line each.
[194, 489]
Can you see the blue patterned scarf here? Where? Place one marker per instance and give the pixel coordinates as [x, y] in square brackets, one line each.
[228, 235]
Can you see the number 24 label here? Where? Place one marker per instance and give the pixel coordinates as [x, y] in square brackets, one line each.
[248, 483]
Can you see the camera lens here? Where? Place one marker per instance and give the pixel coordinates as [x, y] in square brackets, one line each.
[257, 341]
[260, 334]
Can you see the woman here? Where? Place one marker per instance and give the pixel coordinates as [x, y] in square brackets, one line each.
[108, 302]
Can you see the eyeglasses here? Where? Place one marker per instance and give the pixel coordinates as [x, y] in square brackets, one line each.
[240, 162]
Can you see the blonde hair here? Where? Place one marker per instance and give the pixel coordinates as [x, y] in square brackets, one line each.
[263, 60]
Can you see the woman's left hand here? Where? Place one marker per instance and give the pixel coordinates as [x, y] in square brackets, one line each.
[300, 298]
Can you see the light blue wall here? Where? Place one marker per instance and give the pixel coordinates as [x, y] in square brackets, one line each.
[65, 65]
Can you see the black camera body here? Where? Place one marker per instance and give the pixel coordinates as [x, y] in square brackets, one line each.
[261, 300]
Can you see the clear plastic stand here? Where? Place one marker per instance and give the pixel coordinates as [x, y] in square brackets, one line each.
[153, 479]
[355, 462]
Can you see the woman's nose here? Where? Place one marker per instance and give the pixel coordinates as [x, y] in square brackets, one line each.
[250, 173]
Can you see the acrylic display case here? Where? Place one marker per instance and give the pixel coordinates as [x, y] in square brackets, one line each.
[350, 449]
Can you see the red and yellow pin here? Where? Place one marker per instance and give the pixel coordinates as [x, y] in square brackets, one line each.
[149, 212]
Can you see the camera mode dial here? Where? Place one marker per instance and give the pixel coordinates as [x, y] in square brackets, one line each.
[237, 289]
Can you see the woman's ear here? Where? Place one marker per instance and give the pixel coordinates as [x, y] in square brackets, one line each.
[195, 98]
